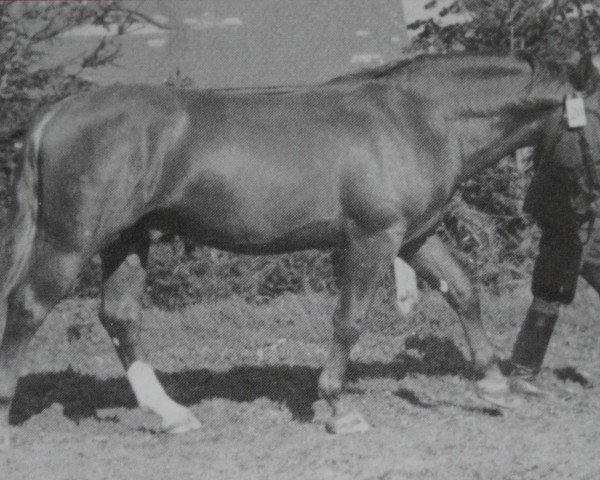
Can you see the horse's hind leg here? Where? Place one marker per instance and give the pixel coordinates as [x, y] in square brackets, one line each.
[359, 273]
[436, 265]
[123, 281]
[51, 273]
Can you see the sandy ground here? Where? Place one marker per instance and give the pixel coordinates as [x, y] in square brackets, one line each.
[249, 374]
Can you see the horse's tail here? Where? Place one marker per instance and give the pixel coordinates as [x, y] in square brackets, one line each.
[20, 224]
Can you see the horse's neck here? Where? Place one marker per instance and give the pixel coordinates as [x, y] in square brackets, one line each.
[478, 82]
[492, 105]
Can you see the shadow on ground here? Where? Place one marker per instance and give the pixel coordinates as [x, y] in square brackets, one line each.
[294, 386]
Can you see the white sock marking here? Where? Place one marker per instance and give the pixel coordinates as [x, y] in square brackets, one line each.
[150, 393]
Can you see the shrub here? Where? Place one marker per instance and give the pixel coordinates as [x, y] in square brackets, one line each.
[176, 278]
[485, 223]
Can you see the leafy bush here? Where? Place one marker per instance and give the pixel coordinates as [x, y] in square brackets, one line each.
[550, 29]
[485, 223]
[28, 80]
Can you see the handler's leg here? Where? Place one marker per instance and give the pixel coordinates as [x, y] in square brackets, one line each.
[531, 345]
[590, 271]
[124, 279]
[554, 282]
[360, 270]
[435, 264]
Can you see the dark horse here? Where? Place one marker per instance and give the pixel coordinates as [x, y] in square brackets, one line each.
[365, 164]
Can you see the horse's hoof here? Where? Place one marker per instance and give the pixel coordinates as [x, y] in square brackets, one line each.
[495, 389]
[493, 382]
[352, 422]
[185, 424]
[507, 401]
[526, 387]
[498, 397]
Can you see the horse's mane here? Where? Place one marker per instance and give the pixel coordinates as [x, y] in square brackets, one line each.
[375, 73]
[544, 69]
[579, 75]
[394, 67]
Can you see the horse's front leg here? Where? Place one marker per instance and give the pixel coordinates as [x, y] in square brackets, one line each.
[123, 281]
[359, 272]
[435, 264]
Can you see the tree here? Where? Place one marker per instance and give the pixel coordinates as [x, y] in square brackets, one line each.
[26, 31]
[550, 29]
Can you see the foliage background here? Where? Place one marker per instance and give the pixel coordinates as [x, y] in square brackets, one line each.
[484, 223]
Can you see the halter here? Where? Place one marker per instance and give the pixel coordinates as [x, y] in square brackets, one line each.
[593, 184]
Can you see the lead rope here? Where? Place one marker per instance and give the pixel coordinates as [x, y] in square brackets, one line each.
[592, 180]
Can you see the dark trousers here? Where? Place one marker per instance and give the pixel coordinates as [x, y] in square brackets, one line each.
[557, 265]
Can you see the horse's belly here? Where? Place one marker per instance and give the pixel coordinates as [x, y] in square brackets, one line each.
[243, 237]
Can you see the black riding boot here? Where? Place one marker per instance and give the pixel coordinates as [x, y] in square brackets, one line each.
[530, 347]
